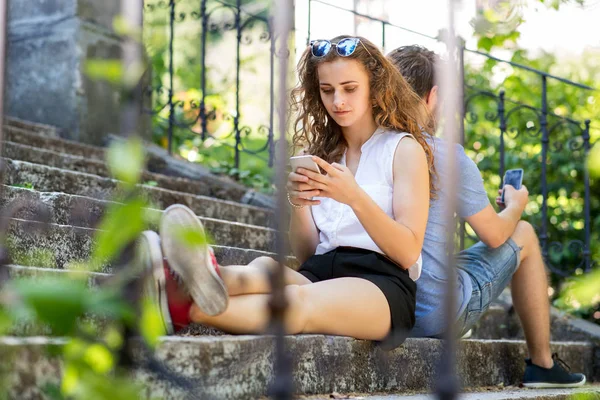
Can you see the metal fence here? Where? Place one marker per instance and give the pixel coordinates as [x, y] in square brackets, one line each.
[542, 127]
[555, 133]
[193, 117]
[565, 251]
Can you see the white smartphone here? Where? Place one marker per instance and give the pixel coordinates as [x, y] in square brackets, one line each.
[305, 162]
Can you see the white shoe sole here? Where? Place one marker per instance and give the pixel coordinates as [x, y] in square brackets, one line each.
[547, 385]
[150, 257]
[192, 263]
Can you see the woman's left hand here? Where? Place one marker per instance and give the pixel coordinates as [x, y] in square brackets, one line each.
[339, 183]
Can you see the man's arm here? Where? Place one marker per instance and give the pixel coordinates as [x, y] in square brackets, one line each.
[493, 228]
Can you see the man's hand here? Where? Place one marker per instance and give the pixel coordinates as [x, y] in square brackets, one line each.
[513, 197]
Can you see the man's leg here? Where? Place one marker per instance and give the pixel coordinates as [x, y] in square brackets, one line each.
[529, 287]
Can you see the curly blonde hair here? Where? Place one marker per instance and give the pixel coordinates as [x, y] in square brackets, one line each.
[395, 105]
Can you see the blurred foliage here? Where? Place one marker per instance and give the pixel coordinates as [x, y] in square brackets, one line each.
[92, 320]
[592, 395]
[566, 160]
[496, 23]
[217, 151]
[26, 185]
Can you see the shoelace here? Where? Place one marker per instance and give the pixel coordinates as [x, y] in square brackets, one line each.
[560, 362]
[177, 278]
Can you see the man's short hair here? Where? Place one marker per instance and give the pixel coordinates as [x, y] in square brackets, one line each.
[417, 64]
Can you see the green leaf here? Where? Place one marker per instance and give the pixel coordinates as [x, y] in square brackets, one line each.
[485, 43]
[191, 237]
[99, 358]
[583, 291]
[52, 391]
[126, 160]
[593, 162]
[121, 225]
[151, 323]
[5, 322]
[102, 69]
[56, 302]
[107, 302]
[123, 28]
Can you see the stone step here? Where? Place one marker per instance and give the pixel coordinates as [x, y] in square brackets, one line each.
[25, 328]
[57, 246]
[167, 171]
[498, 322]
[49, 179]
[23, 133]
[86, 212]
[23, 271]
[590, 392]
[208, 185]
[33, 127]
[489, 327]
[241, 367]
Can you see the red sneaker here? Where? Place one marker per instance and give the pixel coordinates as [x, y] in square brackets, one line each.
[196, 265]
[163, 287]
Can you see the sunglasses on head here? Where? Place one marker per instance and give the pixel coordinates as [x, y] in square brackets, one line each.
[344, 48]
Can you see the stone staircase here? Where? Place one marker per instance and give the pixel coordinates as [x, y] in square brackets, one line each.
[68, 176]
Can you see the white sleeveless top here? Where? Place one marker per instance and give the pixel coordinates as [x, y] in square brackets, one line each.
[338, 225]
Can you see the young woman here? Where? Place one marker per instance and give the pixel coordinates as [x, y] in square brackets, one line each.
[357, 229]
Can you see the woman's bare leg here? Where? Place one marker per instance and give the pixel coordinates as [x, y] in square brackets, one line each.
[344, 306]
[254, 277]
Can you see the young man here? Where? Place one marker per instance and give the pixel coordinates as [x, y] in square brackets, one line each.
[508, 252]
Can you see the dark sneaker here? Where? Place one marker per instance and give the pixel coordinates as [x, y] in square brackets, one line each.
[559, 376]
[163, 287]
[196, 265]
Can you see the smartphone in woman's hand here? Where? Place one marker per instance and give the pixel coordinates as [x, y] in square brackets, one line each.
[305, 162]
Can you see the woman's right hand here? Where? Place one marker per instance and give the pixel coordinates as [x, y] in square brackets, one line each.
[300, 191]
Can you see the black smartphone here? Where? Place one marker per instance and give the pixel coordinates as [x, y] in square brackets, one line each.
[513, 177]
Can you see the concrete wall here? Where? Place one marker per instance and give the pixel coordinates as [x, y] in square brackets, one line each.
[49, 42]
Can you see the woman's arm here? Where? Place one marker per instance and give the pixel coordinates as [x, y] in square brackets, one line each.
[303, 233]
[400, 239]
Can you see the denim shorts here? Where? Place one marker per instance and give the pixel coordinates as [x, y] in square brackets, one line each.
[491, 270]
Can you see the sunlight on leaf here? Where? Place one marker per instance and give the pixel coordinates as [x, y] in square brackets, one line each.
[113, 338]
[594, 161]
[122, 224]
[99, 358]
[191, 237]
[124, 28]
[70, 379]
[583, 291]
[584, 396]
[151, 323]
[5, 322]
[102, 69]
[126, 160]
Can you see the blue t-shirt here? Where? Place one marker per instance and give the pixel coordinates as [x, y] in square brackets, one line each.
[472, 198]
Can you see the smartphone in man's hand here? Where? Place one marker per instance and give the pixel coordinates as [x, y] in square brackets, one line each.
[513, 177]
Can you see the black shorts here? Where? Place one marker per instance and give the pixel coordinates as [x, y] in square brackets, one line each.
[399, 289]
